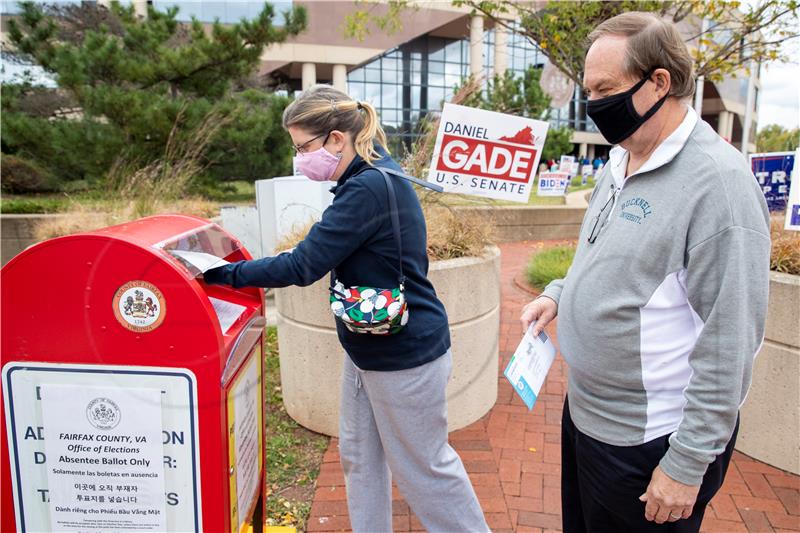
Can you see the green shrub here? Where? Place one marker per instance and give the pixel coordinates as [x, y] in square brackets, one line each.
[253, 144]
[27, 206]
[18, 175]
[550, 264]
[68, 149]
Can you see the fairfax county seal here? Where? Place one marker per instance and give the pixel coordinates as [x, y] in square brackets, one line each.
[103, 413]
[139, 306]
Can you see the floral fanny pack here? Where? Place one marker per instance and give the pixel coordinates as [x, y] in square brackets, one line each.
[372, 310]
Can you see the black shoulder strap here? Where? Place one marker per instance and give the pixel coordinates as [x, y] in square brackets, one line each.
[412, 179]
[393, 212]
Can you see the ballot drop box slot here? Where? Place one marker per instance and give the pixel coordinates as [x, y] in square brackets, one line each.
[132, 391]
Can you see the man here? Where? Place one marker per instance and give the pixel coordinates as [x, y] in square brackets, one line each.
[663, 309]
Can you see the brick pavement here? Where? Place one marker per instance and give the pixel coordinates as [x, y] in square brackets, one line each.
[513, 456]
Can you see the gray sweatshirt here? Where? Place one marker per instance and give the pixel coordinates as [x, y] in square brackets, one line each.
[661, 317]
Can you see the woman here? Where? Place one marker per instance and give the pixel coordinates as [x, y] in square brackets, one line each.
[393, 421]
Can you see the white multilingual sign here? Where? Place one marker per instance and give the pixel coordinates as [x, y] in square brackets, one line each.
[487, 154]
[105, 469]
[33, 467]
[244, 401]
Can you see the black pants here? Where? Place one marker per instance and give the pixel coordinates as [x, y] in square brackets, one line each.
[601, 484]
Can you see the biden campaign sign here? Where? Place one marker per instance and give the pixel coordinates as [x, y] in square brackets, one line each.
[773, 172]
[553, 183]
[487, 154]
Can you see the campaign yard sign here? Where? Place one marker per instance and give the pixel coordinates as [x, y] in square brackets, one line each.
[487, 154]
[793, 204]
[553, 183]
[773, 172]
[565, 165]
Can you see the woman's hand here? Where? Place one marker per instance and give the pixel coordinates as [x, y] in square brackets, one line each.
[542, 310]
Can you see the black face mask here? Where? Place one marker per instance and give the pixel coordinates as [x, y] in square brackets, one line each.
[615, 116]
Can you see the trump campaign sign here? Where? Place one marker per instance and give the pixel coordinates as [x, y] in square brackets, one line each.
[773, 172]
[487, 154]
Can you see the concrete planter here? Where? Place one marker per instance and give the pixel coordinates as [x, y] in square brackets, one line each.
[311, 356]
[530, 222]
[770, 421]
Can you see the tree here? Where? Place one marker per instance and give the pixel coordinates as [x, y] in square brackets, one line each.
[523, 96]
[775, 138]
[737, 32]
[139, 81]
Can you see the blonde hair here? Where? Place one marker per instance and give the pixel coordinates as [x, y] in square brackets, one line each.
[653, 42]
[321, 109]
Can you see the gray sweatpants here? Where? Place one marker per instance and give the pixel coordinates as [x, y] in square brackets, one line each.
[394, 424]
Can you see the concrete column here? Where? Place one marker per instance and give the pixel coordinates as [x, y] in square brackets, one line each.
[500, 50]
[747, 144]
[309, 75]
[590, 155]
[476, 45]
[583, 150]
[340, 77]
[140, 8]
[725, 125]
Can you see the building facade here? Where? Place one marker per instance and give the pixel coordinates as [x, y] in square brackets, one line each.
[408, 74]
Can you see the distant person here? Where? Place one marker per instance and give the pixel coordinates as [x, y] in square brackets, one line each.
[393, 416]
[663, 309]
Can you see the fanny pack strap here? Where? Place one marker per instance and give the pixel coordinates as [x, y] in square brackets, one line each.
[393, 213]
[395, 221]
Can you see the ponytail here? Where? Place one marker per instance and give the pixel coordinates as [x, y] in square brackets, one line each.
[321, 109]
[371, 133]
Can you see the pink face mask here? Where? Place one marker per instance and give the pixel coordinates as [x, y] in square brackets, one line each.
[318, 165]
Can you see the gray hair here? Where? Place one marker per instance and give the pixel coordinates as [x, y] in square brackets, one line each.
[653, 42]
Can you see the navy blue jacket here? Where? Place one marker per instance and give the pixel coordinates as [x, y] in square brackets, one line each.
[355, 237]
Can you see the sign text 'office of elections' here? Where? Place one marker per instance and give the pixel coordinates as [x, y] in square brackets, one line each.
[773, 172]
[97, 448]
[487, 154]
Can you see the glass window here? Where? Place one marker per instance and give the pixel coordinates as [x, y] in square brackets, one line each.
[356, 75]
[397, 91]
[389, 63]
[453, 52]
[435, 97]
[436, 67]
[356, 89]
[373, 93]
[435, 79]
[436, 50]
[389, 116]
[416, 92]
[391, 76]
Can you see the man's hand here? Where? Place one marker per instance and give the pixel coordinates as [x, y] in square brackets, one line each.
[668, 500]
[542, 310]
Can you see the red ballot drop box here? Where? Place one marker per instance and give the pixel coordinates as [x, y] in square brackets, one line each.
[132, 392]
